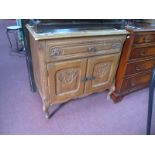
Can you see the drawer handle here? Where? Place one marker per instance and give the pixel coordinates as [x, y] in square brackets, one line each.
[91, 78]
[91, 49]
[84, 79]
[138, 68]
[132, 84]
[142, 53]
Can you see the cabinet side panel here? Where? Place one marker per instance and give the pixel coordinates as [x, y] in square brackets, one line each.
[40, 68]
[36, 63]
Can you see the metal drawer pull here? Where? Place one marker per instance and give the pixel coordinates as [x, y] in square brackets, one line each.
[142, 53]
[91, 49]
[84, 79]
[138, 68]
[91, 78]
[132, 84]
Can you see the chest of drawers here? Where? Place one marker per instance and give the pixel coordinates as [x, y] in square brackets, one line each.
[136, 62]
[70, 66]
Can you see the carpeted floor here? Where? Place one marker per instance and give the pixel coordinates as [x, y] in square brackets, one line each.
[21, 110]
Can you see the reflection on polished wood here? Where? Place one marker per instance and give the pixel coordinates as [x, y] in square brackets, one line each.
[137, 61]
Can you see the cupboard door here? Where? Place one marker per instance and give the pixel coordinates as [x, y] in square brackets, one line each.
[65, 80]
[100, 73]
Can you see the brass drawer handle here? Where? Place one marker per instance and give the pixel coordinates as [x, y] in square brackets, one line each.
[91, 49]
[138, 68]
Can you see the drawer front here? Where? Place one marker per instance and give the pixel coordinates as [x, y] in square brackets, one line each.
[142, 52]
[144, 38]
[140, 66]
[78, 48]
[136, 82]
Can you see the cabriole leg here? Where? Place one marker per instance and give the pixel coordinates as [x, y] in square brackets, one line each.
[45, 110]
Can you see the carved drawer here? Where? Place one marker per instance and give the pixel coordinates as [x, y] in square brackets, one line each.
[75, 48]
[142, 52]
[139, 81]
[144, 38]
[140, 66]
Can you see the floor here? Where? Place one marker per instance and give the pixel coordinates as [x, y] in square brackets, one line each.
[21, 110]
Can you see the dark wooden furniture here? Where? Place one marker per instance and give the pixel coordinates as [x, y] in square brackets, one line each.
[137, 61]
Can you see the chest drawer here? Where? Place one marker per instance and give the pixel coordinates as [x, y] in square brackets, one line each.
[140, 66]
[144, 38]
[79, 48]
[142, 52]
[136, 82]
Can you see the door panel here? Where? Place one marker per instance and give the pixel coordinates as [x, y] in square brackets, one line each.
[101, 72]
[65, 80]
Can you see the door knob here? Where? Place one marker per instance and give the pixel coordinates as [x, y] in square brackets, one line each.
[91, 78]
[142, 53]
[133, 84]
[84, 79]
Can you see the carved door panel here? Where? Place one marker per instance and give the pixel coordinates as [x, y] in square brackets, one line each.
[65, 80]
[100, 72]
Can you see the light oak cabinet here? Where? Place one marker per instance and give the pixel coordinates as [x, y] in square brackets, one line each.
[70, 67]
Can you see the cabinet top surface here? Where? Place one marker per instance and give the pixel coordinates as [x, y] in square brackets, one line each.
[69, 33]
[141, 28]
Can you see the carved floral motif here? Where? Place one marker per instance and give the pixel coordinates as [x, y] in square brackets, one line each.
[67, 75]
[102, 69]
[55, 51]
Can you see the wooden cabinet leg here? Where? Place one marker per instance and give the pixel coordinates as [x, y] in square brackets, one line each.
[47, 116]
[45, 110]
[111, 90]
[116, 98]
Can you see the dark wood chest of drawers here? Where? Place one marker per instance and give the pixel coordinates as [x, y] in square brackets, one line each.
[136, 63]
